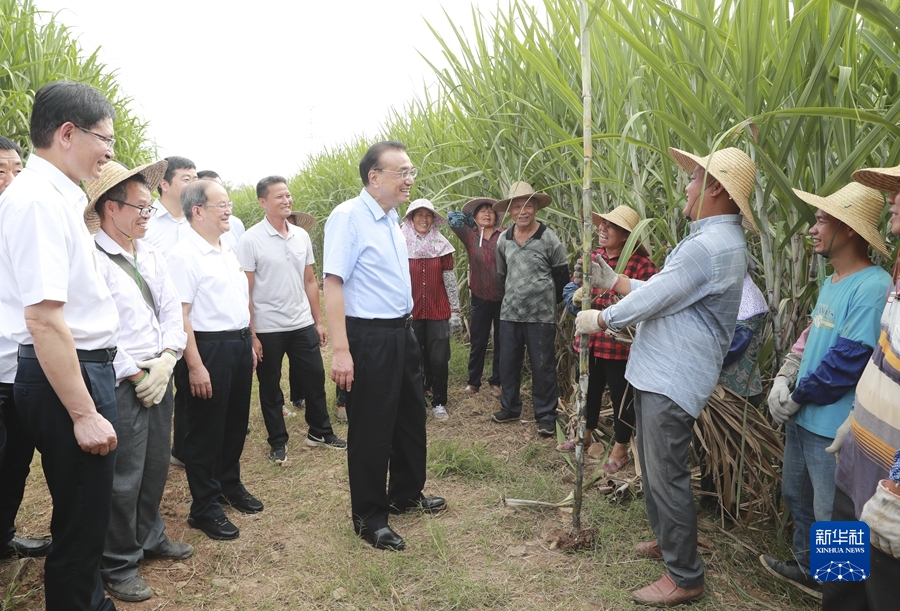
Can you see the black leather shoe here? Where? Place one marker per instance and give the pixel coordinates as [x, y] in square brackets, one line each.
[220, 529]
[246, 503]
[383, 538]
[425, 504]
[26, 548]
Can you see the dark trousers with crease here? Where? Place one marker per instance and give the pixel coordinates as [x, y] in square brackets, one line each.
[482, 316]
[304, 358]
[16, 452]
[386, 415]
[80, 484]
[216, 427]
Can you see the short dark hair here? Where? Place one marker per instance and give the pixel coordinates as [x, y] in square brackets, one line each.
[194, 194]
[8, 145]
[118, 193]
[175, 163]
[66, 101]
[372, 156]
[208, 174]
[262, 187]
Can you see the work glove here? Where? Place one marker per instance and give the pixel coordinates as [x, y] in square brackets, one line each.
[456, 323]
[780, 394]
[835, 447]
[882, 514]
[602, 275]
[151, 390]
[586, 323]
[782, 412]
[578, 276]
[578, 295]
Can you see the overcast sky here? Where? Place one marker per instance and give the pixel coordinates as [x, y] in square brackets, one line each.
[252, 88]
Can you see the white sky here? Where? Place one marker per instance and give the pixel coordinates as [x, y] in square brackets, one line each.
[253, 88]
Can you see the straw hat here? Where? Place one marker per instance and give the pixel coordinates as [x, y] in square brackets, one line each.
[883, 179]
[856, 206]
[302, 219]
[112, 174]
[474, 204]
[424, 203]
[732, 168]
[621, 216]
[519, 190]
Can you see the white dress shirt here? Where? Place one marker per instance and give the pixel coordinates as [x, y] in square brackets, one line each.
[165, 231]
[144, 333]
[233, 235]
[212, 281]
[47, 254]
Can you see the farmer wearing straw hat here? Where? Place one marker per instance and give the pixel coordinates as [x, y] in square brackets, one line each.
[842, 336]
[867, 478]
[478, 227]
[608, 357]
[531, 262]
[152, 338]
[686, 316]
[60, 312]
[16, 449]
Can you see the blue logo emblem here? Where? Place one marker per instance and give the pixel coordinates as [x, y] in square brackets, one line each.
[839, 551]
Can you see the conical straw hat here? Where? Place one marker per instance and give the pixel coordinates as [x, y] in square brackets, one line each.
[112, 174]
[519, 190]
[856, 206]
[732, 168]
[303, 219]
[883, 179]
[621, 216]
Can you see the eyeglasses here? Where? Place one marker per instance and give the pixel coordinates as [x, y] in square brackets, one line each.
[107, 140]
[228, 206]
[404, 174]
[144, 211]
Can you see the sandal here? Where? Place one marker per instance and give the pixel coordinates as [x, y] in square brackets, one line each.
[612, 466]
[568, 446]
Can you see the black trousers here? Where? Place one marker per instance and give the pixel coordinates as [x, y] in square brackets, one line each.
[16, 452]
[482, 315]
[80, 484]
[540, 340]
[603, 373]
[216, 427]
[434, 344]
[304, 356]
[386, 416]
[878, 592]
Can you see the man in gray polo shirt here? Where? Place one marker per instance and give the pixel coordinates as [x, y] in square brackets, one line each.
[532, 265]
[285, 317]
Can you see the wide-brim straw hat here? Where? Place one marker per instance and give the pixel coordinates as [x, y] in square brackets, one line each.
[112, 174]
[855, 205]
[474, 204]
[424, 203]
[883, 179]
[621, 216]
[303, 219]
[522, 190]
[733, 169]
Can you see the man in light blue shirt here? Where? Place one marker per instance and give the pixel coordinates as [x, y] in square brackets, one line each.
[376, 358]
[685, 318]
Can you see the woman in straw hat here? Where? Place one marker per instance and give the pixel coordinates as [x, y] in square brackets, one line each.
[842, 336]
[435, 297]
[478, 228]
[867, 478]
[607, 356]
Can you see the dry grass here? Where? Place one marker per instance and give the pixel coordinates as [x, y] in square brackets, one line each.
[301, 553]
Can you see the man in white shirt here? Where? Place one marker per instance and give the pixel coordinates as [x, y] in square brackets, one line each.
[152, 337]
[168, 226]
[60, 312]
[236, 229]
[286, 317]
[214, 378]
[16, 448]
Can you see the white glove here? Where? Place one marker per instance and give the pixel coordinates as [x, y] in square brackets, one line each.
[782, 413]
[456, 324]
[882, 514]
[835, 447]
[151, 390]
[602, 275]
[779, 395]
[586, 323]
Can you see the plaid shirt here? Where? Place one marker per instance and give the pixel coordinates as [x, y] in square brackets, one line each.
[639, 267]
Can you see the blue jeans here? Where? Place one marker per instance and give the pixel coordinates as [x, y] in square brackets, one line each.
[807, 484]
